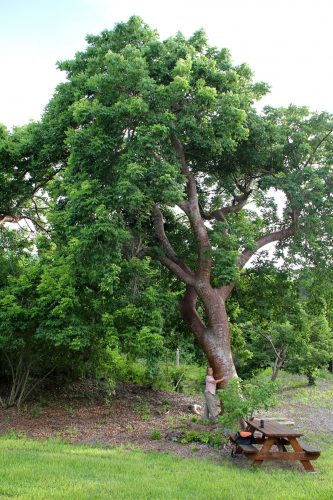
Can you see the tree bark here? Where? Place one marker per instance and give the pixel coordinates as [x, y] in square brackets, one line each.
[214, 337]
[279, 362]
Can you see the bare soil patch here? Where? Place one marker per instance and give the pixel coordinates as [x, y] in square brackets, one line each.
[311, 408]
[81, 413]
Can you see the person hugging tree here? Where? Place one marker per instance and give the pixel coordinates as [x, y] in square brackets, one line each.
[212, 403]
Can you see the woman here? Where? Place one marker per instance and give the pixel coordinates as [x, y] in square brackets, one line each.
[212, 402]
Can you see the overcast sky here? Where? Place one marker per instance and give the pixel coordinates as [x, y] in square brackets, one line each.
[288, 43]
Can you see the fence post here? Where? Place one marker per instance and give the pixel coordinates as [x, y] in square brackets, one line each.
[177, 357]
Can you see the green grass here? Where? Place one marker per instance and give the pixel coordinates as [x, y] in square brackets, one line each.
[311, 396]
[52, 469]
[296, 390]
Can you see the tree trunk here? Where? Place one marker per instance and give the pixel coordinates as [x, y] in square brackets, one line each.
[276, 368]
[279, 363]
[214, 338]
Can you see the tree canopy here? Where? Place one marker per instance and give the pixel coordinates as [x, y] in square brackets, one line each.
[152, 153]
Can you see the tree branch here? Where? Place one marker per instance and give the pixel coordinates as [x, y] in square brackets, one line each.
[36, 208]
[187, 277]
[267, 337]
[15, 219]
[192, 210]
[238, 202]
[226, 290]
[316, 148]
[158, 223]
[191, 184]
[48, 178]
[9, 218]
[219, 214]
[34, 221]
[39, 381]
[189, 312]
[264, 240]
[183, 275]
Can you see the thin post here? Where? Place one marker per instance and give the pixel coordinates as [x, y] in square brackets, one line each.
[177, 357]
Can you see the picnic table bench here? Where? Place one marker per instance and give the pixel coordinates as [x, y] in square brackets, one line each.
[281, 436]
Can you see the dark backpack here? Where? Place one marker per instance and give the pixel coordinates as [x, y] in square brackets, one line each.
[241, 437]
[244, 437]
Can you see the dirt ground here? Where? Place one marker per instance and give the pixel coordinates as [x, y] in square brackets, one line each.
[82, 414]
[311, 408]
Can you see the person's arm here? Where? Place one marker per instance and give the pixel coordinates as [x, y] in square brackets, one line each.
[217, 381]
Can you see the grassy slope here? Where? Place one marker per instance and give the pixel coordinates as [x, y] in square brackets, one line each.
[51, 469]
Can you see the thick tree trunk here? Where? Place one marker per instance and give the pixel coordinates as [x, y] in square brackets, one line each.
[216, 341]
[216, 345]
[214, 338]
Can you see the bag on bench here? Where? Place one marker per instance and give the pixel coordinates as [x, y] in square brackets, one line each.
[241, 437]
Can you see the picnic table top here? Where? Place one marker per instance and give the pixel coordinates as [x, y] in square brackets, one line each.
[273, 429]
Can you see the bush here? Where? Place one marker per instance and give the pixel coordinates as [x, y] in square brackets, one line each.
[214, 439]
[114, 365]
[187, 378]
[156, 435]
[242, 399]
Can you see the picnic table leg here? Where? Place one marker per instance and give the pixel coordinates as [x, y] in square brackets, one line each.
[264, 449]
[298, 448]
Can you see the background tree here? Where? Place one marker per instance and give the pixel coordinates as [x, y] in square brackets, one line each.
[30, 156]
[283, 320]
[42, 326]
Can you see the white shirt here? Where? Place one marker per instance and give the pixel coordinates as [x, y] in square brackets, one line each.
[209, 386]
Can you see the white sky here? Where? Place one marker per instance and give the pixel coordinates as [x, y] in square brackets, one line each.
[288, 43]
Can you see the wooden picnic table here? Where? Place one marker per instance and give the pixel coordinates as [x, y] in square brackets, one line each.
[281, 436]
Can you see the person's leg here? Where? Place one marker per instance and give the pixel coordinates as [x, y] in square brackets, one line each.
[217, 406]
[206, 408]
[211, 404]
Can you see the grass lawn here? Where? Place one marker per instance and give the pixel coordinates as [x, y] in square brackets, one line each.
[52, 469]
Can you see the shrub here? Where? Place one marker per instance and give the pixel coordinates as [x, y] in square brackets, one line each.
[214, 439]
[156, 435]
[242, 399]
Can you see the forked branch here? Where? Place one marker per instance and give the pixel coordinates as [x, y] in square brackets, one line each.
[171, 260]
[190, 313]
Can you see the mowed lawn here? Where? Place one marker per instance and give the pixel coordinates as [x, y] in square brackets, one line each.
[52, 469]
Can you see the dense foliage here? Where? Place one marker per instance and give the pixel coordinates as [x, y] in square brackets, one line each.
[152, 177]
[283, 320]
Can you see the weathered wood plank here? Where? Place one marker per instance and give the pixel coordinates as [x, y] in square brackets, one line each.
[309, 449]
[248, 448]
[273, 429]
[285, 455]
[282, 420]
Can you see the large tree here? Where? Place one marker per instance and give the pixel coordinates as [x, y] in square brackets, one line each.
[167, 134]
